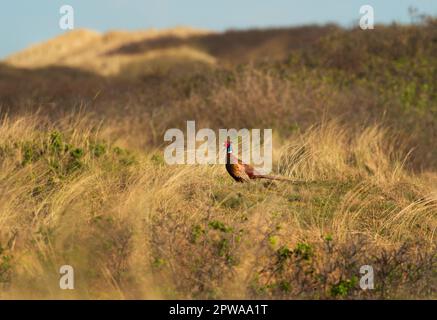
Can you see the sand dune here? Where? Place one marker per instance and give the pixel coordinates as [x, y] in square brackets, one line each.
[88, 50]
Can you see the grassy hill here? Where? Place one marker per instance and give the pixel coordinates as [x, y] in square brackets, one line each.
[83, 181]
[88, 50]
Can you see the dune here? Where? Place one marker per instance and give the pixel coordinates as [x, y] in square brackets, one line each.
[89, 50]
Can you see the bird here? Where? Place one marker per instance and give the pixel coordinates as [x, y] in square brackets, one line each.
[242, 172]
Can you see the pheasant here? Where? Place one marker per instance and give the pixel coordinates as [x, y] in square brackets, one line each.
[242, 172]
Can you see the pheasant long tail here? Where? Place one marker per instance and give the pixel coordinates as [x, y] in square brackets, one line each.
[278, 178]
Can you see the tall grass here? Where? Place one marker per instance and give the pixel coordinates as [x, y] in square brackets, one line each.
[134, 227]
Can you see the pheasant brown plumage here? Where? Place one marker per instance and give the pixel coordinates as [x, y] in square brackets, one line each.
[242, 172]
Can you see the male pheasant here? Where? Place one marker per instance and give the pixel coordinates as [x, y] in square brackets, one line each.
[242, 172]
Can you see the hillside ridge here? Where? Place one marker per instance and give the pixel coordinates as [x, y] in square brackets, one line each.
[87, 49]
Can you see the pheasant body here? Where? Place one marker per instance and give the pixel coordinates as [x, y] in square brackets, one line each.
[237, 170]
[242, 172]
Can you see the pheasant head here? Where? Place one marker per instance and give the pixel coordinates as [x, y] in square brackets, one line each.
[228, 145]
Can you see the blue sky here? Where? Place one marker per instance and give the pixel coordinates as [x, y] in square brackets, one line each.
[24, 22]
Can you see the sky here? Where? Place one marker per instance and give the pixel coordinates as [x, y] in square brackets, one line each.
[24, 22]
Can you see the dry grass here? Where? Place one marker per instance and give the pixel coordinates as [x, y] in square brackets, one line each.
[133, 227]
